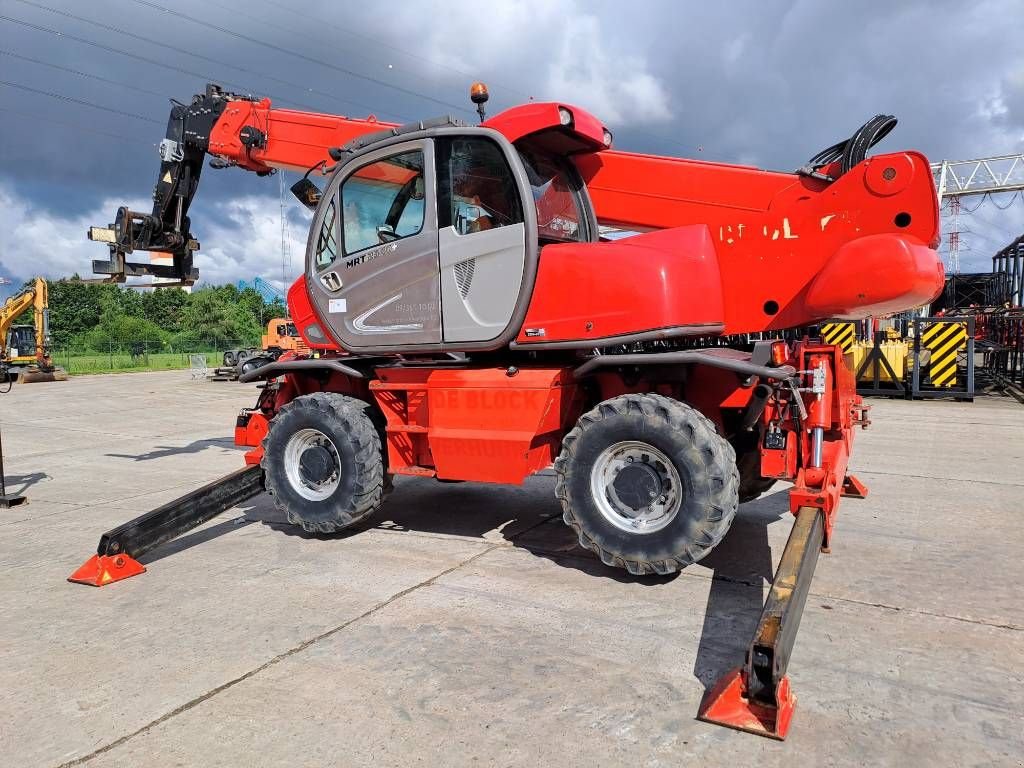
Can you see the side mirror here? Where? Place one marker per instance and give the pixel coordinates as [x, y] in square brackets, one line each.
[466, 217]
[307, 193]
[386, 234]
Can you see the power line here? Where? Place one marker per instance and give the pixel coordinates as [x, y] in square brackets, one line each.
[83, 102]
[45, 120]
[664, 140]
[296, 54]
[381, 43]
[986, 197]
[275, 98]
[247, 13]
[81, 74]
[208, 78]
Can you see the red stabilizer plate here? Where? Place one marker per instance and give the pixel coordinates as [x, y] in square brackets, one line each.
[99, 570]
[854, 488]
[726, 704]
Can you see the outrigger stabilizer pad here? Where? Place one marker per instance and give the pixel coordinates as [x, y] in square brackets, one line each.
[727, 704]
[854, 488]
[104, 569]
[115, 557]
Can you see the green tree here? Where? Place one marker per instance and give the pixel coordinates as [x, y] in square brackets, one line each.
[101, 314]
[216, 314]
[75, 307]
[164, 307]
[118, 331]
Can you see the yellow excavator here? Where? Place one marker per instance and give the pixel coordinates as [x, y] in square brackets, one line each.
[25, 349]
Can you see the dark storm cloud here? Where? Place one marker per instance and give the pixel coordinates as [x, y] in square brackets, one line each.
[767, 83]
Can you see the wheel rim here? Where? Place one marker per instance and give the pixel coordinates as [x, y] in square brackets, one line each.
[636, 487]
[312, 464]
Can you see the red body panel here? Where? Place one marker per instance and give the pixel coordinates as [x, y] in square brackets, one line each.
[777, 234]
[475, 424]
[301, 310]
[527, 119]
[875, 275]
[668, 280]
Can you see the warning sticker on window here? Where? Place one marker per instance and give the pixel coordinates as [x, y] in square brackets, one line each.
[337, 306]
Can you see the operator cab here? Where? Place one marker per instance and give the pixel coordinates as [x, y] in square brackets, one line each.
[21, 341]
[428, 238]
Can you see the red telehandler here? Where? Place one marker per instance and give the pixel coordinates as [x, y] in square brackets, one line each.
[473, 325]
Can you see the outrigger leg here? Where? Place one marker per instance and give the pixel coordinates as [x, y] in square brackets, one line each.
[115, 558]
[756, 697]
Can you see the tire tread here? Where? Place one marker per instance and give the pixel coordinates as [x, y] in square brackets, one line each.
[701, 432]
[368, 493]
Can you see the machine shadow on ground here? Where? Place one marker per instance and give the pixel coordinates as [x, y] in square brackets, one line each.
[530, 518]
[741, 567]
[19, 484]
[196, 446]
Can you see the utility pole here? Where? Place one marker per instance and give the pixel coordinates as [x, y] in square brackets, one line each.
[286, 240]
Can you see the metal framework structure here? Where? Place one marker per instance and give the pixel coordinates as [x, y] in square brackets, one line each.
[1010, 262]
[263, 288]
[977, 177]
[956, 178]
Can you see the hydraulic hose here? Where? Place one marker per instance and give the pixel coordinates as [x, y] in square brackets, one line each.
[853, 150]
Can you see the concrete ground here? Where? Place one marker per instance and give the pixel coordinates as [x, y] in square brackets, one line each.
[464, 627]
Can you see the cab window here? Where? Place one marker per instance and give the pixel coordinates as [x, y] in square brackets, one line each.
[476, 188]
[383, 201]
[557, 198]
[327, 241]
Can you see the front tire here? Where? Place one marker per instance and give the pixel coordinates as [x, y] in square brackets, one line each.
[323, 462]
[647, 483]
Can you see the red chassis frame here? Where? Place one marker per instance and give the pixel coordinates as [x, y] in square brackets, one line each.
[502, 424]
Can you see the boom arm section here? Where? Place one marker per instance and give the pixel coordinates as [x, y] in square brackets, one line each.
[235, 131]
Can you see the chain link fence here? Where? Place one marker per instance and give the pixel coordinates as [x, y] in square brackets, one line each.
[144, 354]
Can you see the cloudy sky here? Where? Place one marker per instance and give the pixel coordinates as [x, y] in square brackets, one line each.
[84, 90]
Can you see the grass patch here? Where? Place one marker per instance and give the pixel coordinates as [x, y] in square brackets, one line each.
[123, 362]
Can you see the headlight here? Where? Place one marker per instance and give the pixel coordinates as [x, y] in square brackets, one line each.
[564, 116]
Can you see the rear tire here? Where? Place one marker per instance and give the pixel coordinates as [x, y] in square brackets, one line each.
[647, 483]
[323, 462]
[230, 358]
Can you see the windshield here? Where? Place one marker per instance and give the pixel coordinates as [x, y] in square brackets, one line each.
[559, 214]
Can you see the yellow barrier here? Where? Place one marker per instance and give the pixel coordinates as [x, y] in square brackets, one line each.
[895, 352]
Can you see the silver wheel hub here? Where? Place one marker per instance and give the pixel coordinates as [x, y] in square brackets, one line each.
[636, 487]
[312, 464]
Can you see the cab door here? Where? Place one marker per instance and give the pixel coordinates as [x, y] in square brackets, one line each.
[481, 238]
[372, 257]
